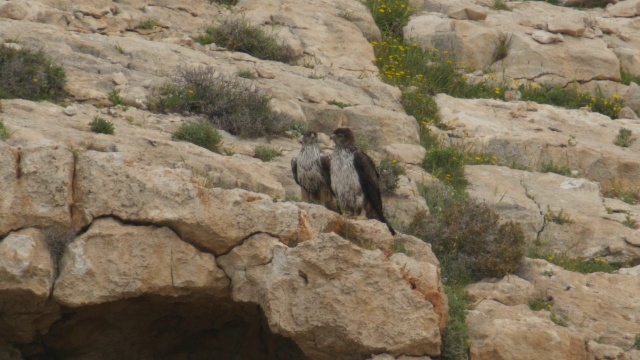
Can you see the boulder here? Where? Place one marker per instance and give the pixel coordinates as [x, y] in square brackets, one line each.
[322, 292]
[114, 261]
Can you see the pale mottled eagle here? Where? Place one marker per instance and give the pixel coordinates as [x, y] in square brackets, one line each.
[311, 171]
[354, 178]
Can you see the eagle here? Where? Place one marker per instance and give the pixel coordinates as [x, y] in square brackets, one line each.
[311, 171]
[354, 178]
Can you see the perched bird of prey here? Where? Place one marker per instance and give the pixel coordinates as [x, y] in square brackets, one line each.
[311, 171]
[354, 178]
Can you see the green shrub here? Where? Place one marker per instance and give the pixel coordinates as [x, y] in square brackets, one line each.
[455, 336]
[502, 47]
[628, 78]
[201, 134]
[390, 15]
[630, 196]
[29, 74]
[446, 164]
[115, 99]
[339, 104]
[559, 218]
[4, 132]
[500, 5]
[550, 166]
[541, 304]
[298, 127]
[624, 138]
[229, 104]
[584, 266]
[469, 240]
[236, 34]
[266, 153]
[101, 126]
[390, 171]
[246, 74]
[148, 24]
[224, 2]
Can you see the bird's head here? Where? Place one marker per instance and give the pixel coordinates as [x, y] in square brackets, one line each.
[343, 137]
[310, 137]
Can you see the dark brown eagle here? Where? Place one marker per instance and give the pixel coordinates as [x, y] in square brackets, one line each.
[354, 178]
[311, 171]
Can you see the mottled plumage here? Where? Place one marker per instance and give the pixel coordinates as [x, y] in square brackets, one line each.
[311, 171]
[354, 178]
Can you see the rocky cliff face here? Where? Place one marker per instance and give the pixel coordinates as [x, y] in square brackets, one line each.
[134, 245]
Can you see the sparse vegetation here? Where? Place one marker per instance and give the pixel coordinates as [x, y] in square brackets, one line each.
[29, 74]
[569, 263]
[148, 24]
[101, 126]
[339, 104]
[266, 153]
[115, 99]
[57, 239]
[502, 46]
[364, 143]
[636, 343]
[559, 218]
[624, 138]
[628, 78]
[4, 132]
[201, 134]
[541, 304]
[446, 164]
[224, 2]
[468, 238]
[558, 319]
[236, 34]
[247, 74]
[455, 336]
[298, 128]
[390, 171]
[390, 15]
[552, 167]
[235, 106]
[500, 5]
[120, 49]
[630, 223]
[630, 196]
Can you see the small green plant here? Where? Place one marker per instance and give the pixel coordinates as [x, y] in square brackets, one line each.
[628, 78]
[228, 151]
[630, 223]
[201, 134]
[500, 5]
[120, 49]
[101, 126]
[552, 167]
[266, 153]
[339, 104]
[75, 152]
[636, 343]
[224, 2]
[30, 74]
[558, 319]
[230, 104]
[398, 247]
[502, 46]
[567, 262]
[4, 132]
[348, 15]
[455, 336]
[364, 143]
[115, 99]
[390, 15]
[247, 74]
[624, 138]
[559, 218]
[446, 164]
[548, 273]
[390, 171]
[541, 304]
[298, 127]
[148, 24]
[236, 34]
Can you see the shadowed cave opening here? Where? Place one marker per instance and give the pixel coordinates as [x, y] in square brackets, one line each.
[154, 327]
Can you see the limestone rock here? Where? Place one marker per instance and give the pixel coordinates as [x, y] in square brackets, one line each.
[113, 261]
[13, 10]
[627, 113]
[26, 278]
[210, 218]
[628, 8]
[405, 153]
[323, 316]
[382, 125]
[468, 13]
[35, 183]
[404, 203]
[544, 37]
[514, 332]
[510, 290]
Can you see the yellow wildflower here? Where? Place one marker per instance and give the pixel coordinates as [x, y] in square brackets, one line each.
[382, 10]
[395, 161]
[374, 43]
[35, 80]
[616, 96]
[478, 158]
[191, 91]
[497, 91]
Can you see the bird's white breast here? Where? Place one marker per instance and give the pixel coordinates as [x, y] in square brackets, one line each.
[345, 182]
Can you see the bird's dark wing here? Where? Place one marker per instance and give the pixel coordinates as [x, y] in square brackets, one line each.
[368, 176]
[294, 169]
[325, 165]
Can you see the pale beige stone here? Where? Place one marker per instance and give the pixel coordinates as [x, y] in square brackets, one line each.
[113, 261]
[510, 290]
[405, 153]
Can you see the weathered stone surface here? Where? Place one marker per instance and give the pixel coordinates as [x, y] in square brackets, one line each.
[13, 10]
[405, 153]
[35, 185]
[113, 261]
[510, 290]
[545, 37]
[381, 125]
[211, 218]
[531, 198]
[514, 332]
[627, 113]
[591, 304]
[404, 203]
[323, 315]
[26, 278]
[628, 8]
